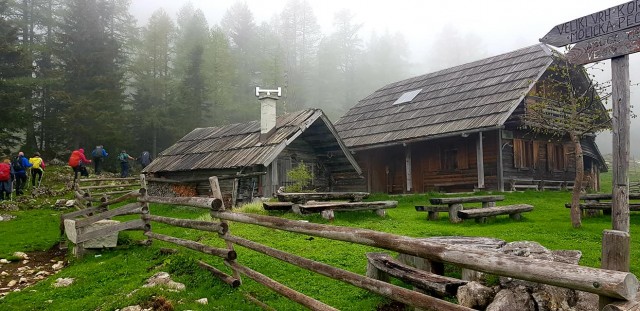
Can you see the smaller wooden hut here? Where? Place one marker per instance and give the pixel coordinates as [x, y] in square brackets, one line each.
[252, 159]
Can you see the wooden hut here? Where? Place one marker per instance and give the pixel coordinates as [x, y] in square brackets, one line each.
[252, 159]
[461, 129]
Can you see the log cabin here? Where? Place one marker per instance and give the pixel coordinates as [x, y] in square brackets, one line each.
[252, 159]
[462, 129]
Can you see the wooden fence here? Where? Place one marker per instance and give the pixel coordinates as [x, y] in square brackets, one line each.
[619, 286]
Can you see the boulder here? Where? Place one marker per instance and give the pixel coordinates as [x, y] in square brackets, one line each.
[63, 282]
[203, 301]
[553, 298]
[164, 279]
[516, 298]
[110, 240]
[475, 295]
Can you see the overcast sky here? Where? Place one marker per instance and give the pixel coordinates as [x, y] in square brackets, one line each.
[500, 25]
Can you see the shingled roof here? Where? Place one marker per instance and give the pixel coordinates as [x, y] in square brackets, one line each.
[470, 97]
[238, 145]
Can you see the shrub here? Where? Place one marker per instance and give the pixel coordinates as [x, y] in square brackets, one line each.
[300, 176]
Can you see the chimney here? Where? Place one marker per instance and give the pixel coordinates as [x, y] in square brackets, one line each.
[267, 112]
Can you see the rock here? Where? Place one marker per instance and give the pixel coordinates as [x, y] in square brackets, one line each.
[23, 280]
[475, 295]
[61, 202]
[163, 278]
[63, 282]
[567, 256]
[110, 240]
[203, 301]
[586, 301]
[4, 261]
[512, 299]
[527, 249]
[70, 203]
[42, 273]
[57, 266]
[12, 283]
[20, 255]
[24, 262]
[132, 308]
[4, 273]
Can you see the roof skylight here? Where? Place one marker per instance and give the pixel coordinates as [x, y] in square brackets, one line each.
[407, 97]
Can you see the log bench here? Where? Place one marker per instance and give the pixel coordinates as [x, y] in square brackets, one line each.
[327, 209]
[432, 210]
[455, 204]
[302, 197]
[524, 184]
[481, 214]
[380, 266]
[277, 206]
[602, 201]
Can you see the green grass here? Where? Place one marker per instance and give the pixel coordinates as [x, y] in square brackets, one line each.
[105, 280]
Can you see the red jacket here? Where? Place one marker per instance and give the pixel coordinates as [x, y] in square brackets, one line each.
[76, 157]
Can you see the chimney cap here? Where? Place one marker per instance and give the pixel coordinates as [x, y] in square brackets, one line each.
[268, 92]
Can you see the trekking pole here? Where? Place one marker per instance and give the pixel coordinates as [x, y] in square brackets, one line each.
[41, 176]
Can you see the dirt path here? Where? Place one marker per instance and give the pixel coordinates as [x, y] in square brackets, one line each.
[17, 275]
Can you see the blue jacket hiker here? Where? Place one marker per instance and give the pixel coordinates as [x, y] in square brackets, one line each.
[98, 155]
[20, 165]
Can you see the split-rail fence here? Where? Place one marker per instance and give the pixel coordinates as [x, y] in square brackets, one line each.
[620, 287]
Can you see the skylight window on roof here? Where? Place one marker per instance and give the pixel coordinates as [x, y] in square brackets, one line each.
[407, 97]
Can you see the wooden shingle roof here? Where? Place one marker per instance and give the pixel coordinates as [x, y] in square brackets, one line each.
[238, 145]
[469, 97]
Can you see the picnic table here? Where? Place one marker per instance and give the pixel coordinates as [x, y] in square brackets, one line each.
[454, 204]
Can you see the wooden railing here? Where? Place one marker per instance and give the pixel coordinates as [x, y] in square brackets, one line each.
[620, 286]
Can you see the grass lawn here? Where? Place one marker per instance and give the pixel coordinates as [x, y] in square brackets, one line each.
[111, 279]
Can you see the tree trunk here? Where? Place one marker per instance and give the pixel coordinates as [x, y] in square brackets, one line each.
[576, 213]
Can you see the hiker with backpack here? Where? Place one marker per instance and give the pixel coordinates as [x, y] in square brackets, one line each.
[20, 165]
[98, 155]
[37, 169]
[77, 161]
[145, 159]
[7, 175]
[124, 158]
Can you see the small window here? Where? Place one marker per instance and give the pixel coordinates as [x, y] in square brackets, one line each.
[556, 157]
[407, 97]
[449, 159]
[523, 154]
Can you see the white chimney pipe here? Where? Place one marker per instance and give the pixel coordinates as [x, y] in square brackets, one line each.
[267, 112]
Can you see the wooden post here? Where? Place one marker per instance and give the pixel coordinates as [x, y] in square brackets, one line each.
[615, 255]
[407, 164]
[453, 213]
[480, 161]
[500, 169]
[216, 193]
[620, 90]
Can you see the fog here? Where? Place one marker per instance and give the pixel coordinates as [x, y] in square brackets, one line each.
[438, 34]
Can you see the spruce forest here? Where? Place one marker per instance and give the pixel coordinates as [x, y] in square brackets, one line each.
[79, 73]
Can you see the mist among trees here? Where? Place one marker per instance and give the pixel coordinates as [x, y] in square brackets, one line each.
[78, 73]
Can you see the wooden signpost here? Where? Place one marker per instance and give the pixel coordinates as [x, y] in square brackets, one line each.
[613, 34]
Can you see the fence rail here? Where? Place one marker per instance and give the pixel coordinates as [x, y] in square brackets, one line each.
[621, 286]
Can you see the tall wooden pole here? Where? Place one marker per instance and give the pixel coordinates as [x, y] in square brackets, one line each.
[616, 242]
[620, 96]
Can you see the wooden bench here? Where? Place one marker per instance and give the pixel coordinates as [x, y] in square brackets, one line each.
[302, 197]
[380, 266]
[602, 202]
[432, 210]
[455, 204]
[517, 183]
[553, 185]
[327, 209]
[481, 214]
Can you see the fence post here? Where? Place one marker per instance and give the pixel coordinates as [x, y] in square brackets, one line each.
[615, 255]
[217, 194]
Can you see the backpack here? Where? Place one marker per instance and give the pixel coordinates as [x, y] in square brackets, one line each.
[122, 157]
[17, 164]
[97, 153]
[145, 159]
[74, 159]
[5, 172]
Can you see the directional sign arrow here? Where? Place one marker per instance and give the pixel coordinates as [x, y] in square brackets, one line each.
[604, 47]
[598, 24]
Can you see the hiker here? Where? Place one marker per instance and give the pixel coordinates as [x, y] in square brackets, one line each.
[37, 169]
[6, 179]
[145, 159]
[77, 161]
[124, 158]
[98, 155]
[20, 165]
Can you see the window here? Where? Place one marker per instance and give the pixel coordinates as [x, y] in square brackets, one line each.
[557, 159]
[449, 159]
[525, 154]
[407, 97]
